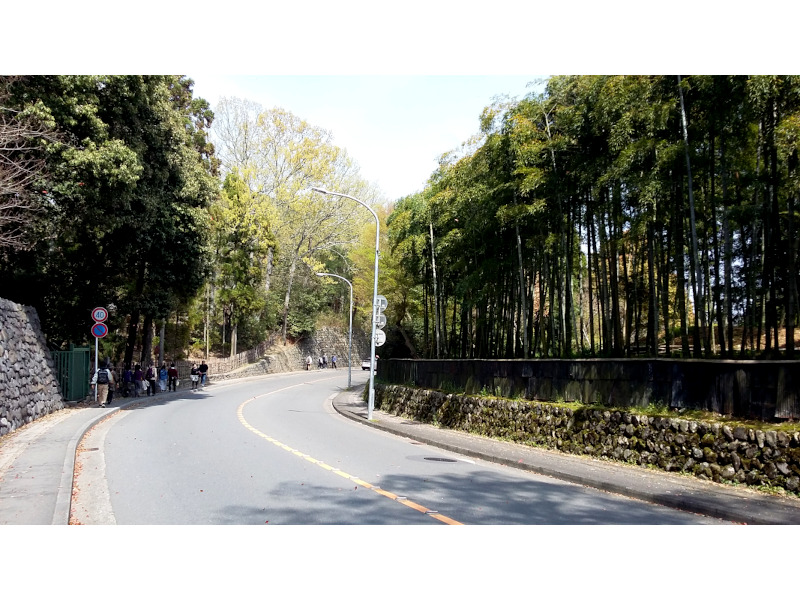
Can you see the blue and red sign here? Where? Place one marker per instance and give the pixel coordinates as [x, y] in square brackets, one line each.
[99, 330]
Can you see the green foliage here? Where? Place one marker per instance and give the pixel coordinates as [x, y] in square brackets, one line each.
[127, 189]
[279, 157]
[580, 193]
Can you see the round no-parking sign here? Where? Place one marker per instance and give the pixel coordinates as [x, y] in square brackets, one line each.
[99, 330]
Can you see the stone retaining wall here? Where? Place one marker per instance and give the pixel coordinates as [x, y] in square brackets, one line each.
[748, 389]
[28, 387]
[721, 453]
[292, 357]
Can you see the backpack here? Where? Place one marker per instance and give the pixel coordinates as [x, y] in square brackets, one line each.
[102, 376]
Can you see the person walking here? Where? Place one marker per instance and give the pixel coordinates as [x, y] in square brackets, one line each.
[194, 375]
[162, 377]
[172, 373]
[324, 362]
[333, 361]
[150, 376]
[102, 380]
[308, 362]
[127, 381]
[319, 362]
[203, 368]
[138, 378]
[112, 387]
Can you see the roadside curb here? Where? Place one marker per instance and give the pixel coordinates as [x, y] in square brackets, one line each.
[63, 508]
[681, 492]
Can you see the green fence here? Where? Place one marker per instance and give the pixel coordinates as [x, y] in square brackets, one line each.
[73, 370]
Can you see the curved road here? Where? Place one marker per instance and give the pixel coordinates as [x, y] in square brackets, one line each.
[271, 450]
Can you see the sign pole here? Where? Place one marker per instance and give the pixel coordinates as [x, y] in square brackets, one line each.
[96, 345]
[99, 315]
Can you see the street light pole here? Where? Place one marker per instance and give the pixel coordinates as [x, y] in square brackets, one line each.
[371, 402]
[350, 339]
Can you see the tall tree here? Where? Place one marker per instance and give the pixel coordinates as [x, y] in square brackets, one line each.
[281, 157]
[22, 166]
[128, 182]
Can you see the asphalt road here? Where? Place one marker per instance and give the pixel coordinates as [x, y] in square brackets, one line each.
[273, 451]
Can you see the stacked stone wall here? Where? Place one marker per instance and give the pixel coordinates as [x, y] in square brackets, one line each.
[292, 357]
[712, 451]
[28, 385]
[748, 389]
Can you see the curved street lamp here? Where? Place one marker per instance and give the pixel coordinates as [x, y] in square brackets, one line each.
[371, 403]
[350, 339]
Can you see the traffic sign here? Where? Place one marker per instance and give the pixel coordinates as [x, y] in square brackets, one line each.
[380, 321]
[380, 304]
[380, 337]
[99, 314]
[99, 330]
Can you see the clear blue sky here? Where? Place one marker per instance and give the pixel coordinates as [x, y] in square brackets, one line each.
[394, 126]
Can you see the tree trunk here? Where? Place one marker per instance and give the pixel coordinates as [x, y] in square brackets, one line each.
[589, 256]
[791, 278]
[614, 277]
[717, 289]
[728, 250]
[680, 267]
[697, 271]
[270, 261]
[407, 341]
[630, 298]
[435, 295]
[292, 268]
[523, 302]
[133, 326]
[664, 251]
[653, 290]
[147, 341]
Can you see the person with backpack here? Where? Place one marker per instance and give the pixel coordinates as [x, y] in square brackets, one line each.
[103, 378]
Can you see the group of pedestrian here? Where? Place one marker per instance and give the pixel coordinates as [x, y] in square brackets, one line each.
[322, 362]
[128, 381]
[198, 375]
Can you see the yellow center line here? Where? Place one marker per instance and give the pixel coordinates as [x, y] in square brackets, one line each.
[401, 499]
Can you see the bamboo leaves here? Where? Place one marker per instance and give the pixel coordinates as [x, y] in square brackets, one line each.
[587, 215]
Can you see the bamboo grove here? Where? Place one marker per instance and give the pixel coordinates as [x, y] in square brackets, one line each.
[613, 216]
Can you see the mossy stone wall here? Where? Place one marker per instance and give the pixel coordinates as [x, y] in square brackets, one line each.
[748, 389]
[710, 451]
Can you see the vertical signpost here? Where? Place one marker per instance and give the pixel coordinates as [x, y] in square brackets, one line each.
[378, 339]
[99, 329]
[380, 321]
